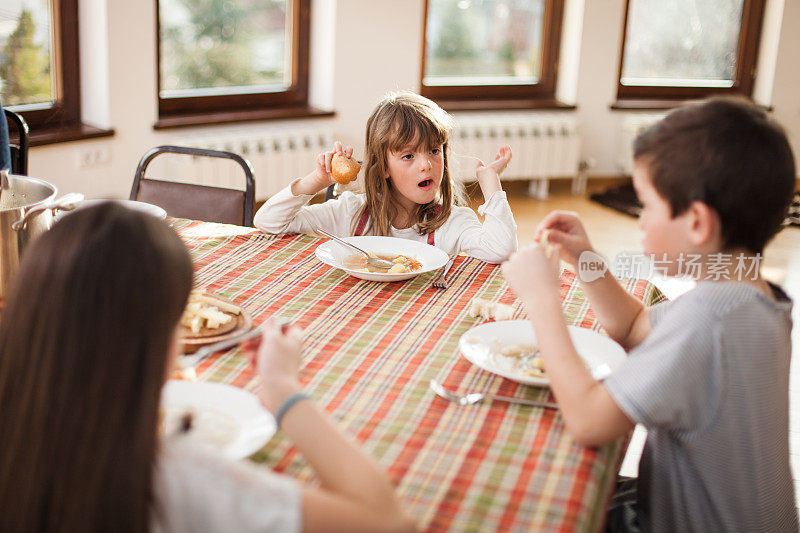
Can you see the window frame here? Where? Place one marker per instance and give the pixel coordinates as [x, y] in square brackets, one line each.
[543, 90]
[746, 57]
[65, 111]
[239, 106]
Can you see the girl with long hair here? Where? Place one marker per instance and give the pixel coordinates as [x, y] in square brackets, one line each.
[88, 335]
[409, 192]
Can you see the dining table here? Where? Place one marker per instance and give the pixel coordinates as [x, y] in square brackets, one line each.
[370, 352]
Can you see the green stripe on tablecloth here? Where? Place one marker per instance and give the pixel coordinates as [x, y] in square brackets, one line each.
[371, 349]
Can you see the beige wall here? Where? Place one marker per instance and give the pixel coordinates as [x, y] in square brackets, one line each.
[360, 50]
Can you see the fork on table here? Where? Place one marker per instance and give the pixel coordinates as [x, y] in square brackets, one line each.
[441, 282]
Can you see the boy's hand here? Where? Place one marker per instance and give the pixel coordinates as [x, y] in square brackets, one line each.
[565, 231]
[321, 177]
[489, 175]
[532, 274]
[276, 358]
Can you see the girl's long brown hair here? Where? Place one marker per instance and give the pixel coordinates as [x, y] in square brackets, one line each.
[400, 120]
[84, 338]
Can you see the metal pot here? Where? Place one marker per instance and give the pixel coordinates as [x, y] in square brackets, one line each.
[26, 211]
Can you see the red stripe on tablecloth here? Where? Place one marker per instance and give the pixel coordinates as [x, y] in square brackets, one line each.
[528, 468]
[448, 508]
[580, 479]
[249, 256]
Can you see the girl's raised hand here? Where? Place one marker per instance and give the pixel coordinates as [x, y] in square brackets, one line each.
[497, 166]
[324, 160]
[489, 175]
[321, 177]
[276, 358]
[564, 230]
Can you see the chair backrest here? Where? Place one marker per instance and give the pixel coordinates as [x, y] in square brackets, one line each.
[199, 202]
[19, 151]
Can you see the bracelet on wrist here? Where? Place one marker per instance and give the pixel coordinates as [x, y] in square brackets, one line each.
[287, 404]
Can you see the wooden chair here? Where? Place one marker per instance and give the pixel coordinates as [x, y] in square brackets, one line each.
[19, 151]
[198, 202]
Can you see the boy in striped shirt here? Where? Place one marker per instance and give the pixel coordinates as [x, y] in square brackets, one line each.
[707, 374]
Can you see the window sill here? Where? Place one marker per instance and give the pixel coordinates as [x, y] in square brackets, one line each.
[661, 105]
[229, 117]
[480, 104]
[79, 132]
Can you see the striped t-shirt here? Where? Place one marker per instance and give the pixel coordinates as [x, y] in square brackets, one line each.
[711, 385]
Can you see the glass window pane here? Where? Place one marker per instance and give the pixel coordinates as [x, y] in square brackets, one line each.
[483, 42]
[224, 46]
[684, 43]
[26, 63]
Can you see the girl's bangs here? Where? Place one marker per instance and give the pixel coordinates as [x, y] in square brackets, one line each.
[410, 129]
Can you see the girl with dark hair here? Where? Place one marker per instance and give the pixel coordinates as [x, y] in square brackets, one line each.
[87, 338]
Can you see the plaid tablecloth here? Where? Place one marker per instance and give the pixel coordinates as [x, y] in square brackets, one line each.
[370, 350]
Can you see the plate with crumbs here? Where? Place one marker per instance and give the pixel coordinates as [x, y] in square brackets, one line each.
[222, 418]
[510, 349]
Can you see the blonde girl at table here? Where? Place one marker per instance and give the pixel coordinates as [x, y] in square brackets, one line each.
[410, 193]
[89, 335]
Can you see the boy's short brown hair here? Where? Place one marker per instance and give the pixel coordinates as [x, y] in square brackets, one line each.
[729, 155]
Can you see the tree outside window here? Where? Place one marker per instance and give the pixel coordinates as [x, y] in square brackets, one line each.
[491, 48]
[25, 62]
[228, 55]
[39, 64]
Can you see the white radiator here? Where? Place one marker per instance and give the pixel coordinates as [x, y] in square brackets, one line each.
[278, 155]
[545, 146]
[632, 126]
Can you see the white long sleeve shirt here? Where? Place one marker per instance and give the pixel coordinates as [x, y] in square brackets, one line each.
[493, 241]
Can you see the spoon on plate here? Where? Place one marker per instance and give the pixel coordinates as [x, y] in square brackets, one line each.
[377, 262]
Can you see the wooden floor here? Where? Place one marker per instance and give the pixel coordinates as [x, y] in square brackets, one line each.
[612, 232]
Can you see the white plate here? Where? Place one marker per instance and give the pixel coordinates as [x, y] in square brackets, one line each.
[130, 204]
[225, 419]
[333, 253]
[477, 345]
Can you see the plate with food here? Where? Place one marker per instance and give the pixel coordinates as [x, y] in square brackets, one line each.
[209, 318]
[222, 418]
[510, 349]
[408, 258]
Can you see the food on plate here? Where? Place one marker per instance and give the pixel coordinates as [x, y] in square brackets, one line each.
[344, 169]
[403, 264]
[490, 310]
[186, 373]
[208, 428]
[526, 358]
[206, 315]
[523, 359]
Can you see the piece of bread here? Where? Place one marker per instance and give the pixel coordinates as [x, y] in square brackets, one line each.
[490, 310]
[343, 169]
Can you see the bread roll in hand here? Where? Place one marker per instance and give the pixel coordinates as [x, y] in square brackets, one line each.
[343, 169]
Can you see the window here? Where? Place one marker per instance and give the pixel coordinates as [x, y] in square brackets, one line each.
[39, 62]
[689, 48]
[218, 57]
[492, 49]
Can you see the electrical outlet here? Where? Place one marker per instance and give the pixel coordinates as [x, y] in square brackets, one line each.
[92, 157]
